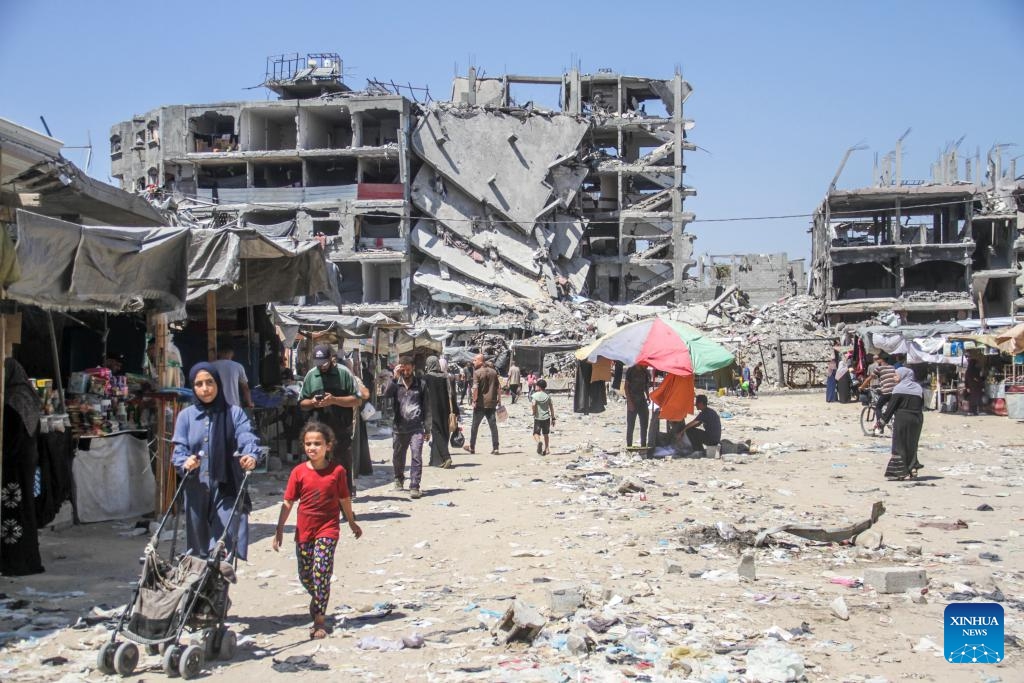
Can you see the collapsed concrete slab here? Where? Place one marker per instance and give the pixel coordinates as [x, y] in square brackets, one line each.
[444, 249]
[499, 159]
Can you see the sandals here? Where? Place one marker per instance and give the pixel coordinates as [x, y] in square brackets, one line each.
[317, 632]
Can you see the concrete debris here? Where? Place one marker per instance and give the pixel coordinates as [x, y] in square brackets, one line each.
[895, 579]
[821, 534]
[564, 600]
[519, 623]
[747, 571]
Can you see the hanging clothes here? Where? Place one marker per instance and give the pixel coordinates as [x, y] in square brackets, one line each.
[675, 397]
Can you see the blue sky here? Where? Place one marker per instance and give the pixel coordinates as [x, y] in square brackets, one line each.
[781, 89]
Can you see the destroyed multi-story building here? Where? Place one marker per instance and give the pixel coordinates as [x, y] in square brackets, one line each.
[941, 249]
[480, 202]
[762, 278]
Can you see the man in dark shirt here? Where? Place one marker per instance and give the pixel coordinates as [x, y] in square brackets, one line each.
[486, 392]
[706, 428]
[410, 399]
[638, 383]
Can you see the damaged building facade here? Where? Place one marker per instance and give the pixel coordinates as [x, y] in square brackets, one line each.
[478, 203]
[942, 249]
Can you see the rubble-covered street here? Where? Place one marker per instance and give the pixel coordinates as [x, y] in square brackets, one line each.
[639, 569]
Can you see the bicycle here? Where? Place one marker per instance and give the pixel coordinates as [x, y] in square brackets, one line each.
[868, 418]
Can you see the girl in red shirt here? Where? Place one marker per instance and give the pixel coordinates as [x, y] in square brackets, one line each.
[321, 490]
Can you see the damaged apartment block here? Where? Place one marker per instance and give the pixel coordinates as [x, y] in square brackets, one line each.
[942, 249]
[481, 202]
[323, 161]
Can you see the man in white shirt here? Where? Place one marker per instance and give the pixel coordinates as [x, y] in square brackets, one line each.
[232, 376]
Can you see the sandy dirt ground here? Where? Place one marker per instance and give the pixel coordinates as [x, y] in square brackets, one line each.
[661, 596]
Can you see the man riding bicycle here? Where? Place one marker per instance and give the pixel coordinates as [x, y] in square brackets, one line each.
[882, 375]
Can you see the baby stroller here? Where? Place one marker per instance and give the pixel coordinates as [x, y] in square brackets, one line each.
[171, 597]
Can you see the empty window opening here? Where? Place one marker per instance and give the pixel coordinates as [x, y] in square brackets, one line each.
[540, 95]
[330, 172]
[380, 127]
[153, 133]
[382, 282]
[380, 171]
[269, 129]
[326, 128]
[378, 227]
[935, 276]
[221, 176]
[863, 280]
[115, 145]
[278, 174]
[326, 226]
[212, 132]
[350, 284]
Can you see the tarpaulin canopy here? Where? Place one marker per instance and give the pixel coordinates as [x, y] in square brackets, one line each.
[327, 318]
[665, 345]
[1012, 341]
[245, 267]
[67, 266]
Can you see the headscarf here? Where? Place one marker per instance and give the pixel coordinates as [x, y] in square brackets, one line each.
[21, 396]
[433, 367]
[908, 384]
[222, 428]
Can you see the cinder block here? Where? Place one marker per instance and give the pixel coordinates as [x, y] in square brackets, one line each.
[895, 579]
[564, 600]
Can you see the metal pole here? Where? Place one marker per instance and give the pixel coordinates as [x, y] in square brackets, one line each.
[56, 363]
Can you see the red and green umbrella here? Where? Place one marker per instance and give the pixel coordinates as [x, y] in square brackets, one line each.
[665, 345]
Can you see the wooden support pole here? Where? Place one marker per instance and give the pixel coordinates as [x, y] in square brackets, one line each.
[211, 326]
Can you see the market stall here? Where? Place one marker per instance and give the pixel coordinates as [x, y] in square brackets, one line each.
[68, 267]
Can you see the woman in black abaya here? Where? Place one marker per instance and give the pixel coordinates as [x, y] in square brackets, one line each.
[19, 538]
[441, 404]
[905, 408]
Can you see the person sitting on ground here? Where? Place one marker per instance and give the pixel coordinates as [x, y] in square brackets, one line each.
[543, 417]
[706, 428]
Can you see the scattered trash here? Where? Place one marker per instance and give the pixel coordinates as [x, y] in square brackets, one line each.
[297, 663]
[773, 661]
[840, 609]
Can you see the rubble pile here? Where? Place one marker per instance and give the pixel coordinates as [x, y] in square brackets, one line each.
[752, 334]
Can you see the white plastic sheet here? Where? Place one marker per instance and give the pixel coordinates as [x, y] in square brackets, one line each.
[113, 479]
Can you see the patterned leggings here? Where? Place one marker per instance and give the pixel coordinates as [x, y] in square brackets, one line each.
[316, 564]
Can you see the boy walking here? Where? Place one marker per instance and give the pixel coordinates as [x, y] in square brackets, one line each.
[543, 417]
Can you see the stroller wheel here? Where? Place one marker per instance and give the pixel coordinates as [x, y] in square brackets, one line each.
[105, 658]
[172, 658]
[191, 662]
[228, 645]
[126, 659]
[207, 640]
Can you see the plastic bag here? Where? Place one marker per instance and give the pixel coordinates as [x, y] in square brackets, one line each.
[501, 412]
[369, 411]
